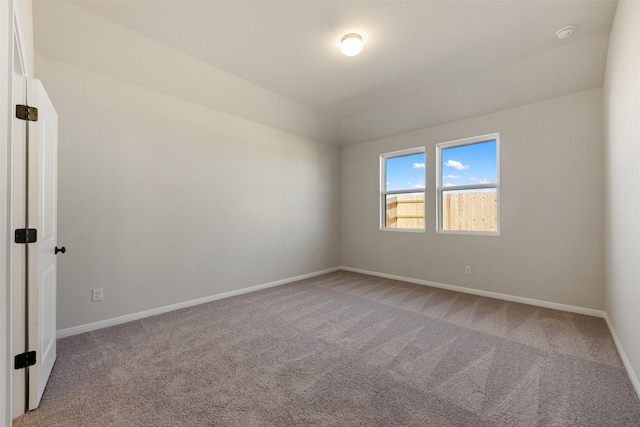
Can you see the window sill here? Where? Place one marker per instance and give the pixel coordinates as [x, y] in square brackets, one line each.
[470, 233]
[405, 230]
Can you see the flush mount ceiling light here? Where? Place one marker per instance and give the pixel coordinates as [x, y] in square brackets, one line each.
[565, 32]
[351, 44]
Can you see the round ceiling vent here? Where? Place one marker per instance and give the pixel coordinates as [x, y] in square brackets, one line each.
[565, 32]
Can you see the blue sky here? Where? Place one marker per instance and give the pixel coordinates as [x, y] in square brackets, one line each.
[469, 164]
[466, 165]
[406, 172]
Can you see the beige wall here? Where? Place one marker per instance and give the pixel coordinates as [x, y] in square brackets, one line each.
[622, 175]
[162, 201]
[550, 246]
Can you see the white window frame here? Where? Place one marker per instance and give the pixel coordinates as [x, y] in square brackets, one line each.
[440, 189]
[384, 193]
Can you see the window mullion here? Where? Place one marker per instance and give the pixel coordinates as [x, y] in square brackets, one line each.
[414, 190]
[468, 187]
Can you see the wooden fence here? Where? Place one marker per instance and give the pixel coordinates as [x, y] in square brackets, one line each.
[405, 212]
[474, 211]
[477, 211]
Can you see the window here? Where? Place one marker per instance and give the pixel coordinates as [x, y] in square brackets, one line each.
[468, 186]
[402, 185]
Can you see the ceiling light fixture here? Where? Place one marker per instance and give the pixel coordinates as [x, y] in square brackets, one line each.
[351, 44]
[565, 32]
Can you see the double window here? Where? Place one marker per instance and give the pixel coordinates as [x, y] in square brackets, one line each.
[402, 189]
[467, 187]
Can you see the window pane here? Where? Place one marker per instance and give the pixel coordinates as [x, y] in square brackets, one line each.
[469, 164]
[470, 210]
[405, 172]
[405, 211]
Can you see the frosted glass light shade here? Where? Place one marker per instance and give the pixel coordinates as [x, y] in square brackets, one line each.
[351, 44]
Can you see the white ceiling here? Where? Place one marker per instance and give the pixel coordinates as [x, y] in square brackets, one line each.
[413, 49]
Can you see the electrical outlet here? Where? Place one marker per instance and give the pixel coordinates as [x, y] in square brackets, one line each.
[96, 294]
[467, 269]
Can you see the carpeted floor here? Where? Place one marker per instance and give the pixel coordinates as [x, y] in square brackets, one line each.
[343, 349]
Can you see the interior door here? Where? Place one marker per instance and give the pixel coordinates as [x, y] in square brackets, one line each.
[43, 195]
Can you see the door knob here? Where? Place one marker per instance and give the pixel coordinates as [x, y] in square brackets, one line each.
[62, 249]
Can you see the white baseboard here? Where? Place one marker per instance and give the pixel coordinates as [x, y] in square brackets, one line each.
[563, 307]
[75, 330]
[496, 295]
[62, 333]
[556, 306]
[625, 360]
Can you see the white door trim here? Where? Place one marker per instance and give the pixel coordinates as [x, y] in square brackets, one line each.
[16, 205]
[6, 43]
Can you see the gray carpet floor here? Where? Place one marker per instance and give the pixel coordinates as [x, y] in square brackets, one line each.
[343, 349]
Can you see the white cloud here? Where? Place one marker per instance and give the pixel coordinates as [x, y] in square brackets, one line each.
[451, 177]
[418, 165]
[418, 186]
[448, 184]
[479, 181]
[456, 165]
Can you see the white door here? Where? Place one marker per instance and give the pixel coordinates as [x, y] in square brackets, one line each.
[42, 197]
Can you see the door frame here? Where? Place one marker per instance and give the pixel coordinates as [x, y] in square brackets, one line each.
[18, 220]
[6, 93]
[13, 42]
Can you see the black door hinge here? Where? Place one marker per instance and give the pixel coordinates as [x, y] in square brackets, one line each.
[25, 359]
[24, 112]
[26, 235]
